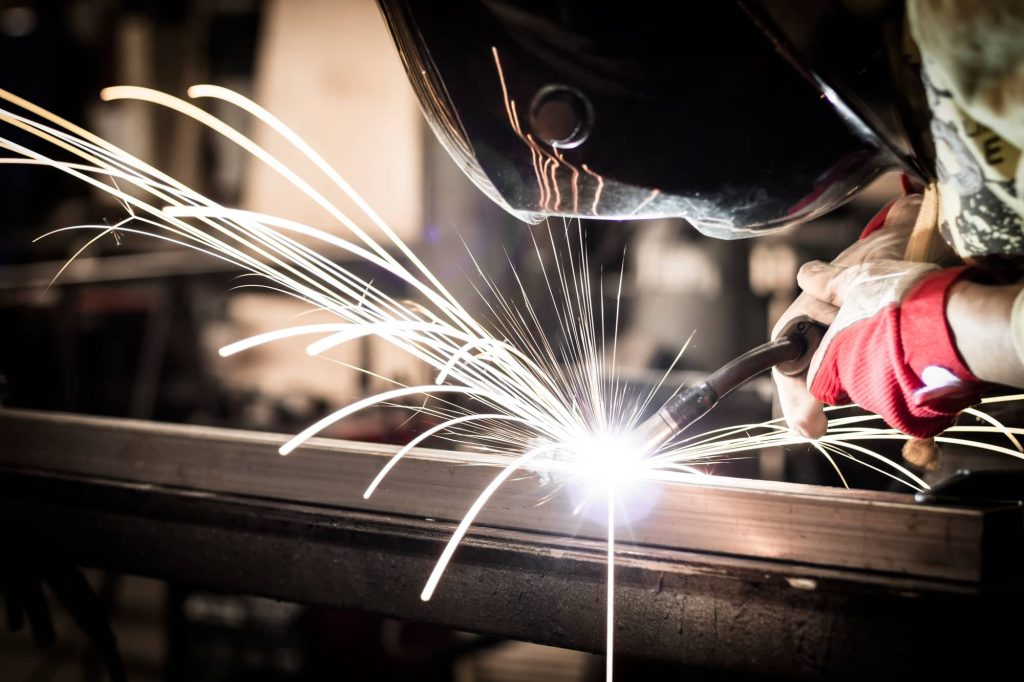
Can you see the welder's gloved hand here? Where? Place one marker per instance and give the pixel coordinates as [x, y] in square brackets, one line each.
[889, 348]
[884, 238]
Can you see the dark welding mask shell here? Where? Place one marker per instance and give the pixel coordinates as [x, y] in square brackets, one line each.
[640, 110]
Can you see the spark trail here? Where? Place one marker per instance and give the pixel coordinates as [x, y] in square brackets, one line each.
[505, 387]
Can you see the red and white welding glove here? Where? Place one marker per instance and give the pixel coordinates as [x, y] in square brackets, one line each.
[889, 348]
[871, 355]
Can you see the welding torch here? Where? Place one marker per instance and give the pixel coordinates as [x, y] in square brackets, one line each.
[790, 353]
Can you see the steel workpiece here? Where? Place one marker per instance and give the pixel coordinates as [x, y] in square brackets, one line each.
[741, 576]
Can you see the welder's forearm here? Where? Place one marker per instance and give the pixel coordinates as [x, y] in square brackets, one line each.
[988, 334]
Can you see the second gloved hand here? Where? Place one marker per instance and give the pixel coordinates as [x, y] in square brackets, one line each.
[884, 238]
[889, 348]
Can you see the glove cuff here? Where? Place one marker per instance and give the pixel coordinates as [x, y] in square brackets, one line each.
[924, 330]
[877, 362]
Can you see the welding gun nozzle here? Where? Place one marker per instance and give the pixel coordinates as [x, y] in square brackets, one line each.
[678, 413]
[790, 352]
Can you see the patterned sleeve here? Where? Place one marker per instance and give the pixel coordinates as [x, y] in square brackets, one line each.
[972, 56]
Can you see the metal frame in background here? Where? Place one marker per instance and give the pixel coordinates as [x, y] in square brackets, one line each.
[740, 576]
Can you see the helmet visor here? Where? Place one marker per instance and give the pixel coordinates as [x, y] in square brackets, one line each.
[568, 109]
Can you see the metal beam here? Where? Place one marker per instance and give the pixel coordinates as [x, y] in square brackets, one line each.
[740, 614]
[861, 530]
[705, 611]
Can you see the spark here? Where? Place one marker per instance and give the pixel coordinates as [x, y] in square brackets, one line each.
[513, 119]
[537, 405]
[600, 187]
[548, 187]
[555, 165]
[643, 204]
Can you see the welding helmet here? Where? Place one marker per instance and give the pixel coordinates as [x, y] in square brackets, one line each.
[706, 111]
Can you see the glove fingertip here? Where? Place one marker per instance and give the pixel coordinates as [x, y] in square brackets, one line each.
[812, 267]
[806, 417]
[813, 424]
[813, 278]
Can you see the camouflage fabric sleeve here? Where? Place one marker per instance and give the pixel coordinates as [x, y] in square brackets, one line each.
[972, 56]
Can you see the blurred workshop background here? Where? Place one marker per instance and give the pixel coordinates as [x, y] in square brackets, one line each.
[131, 328]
